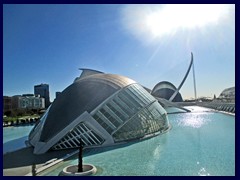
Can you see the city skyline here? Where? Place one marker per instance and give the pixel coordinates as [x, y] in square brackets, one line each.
[48, 43]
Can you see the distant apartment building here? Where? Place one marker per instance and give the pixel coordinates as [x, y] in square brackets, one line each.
[25, 101]
[28, 101]
[7, 103]
[43, 91]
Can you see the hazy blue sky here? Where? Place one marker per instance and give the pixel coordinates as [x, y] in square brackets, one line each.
[148, 43]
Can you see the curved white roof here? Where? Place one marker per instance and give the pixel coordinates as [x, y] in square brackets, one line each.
[162, 85]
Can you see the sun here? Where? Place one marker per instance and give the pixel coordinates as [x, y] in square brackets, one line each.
[150, 22]
[167, 19]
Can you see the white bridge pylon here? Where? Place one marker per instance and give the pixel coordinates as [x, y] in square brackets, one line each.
[185, 77]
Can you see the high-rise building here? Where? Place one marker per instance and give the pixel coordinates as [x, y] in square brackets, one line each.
[43, 91]
[57, 94]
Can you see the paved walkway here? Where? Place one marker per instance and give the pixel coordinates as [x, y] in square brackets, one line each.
[22, 161]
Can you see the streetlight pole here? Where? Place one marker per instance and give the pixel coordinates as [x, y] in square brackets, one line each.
[80, 162]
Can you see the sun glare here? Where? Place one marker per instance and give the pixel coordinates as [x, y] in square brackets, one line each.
[150, 22]
[170, 18]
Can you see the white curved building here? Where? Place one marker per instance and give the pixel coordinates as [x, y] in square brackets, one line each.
[101, 110]
[228, 94]
[165, 89]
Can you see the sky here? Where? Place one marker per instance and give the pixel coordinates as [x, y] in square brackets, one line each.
[147, 43]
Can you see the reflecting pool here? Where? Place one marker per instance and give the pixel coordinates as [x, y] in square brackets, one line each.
[200, 143]
[14, 137]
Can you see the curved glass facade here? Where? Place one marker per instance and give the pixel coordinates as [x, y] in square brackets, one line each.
[132, 113]
[147, 121]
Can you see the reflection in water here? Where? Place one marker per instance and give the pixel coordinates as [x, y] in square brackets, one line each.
[203, 172]
[156, 152]
[156, 147]
[14, 145]
[194, 120]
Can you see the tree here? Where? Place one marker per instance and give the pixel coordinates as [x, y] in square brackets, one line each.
[8, 113]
